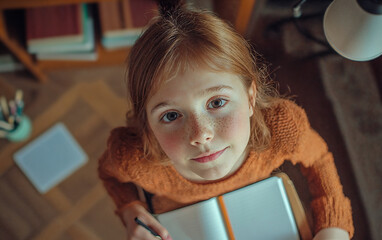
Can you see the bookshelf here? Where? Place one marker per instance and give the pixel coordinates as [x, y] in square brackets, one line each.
[105, 57]
[39, 68]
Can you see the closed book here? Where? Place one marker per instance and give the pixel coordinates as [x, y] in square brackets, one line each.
[110, 15]
[74, 56]
[138, 13]
[54, 24]
[50, 158]
[87, 44]
[119, 41]
[86, 52]
[125, 19]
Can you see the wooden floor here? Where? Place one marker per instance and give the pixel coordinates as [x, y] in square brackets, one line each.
[78, 208]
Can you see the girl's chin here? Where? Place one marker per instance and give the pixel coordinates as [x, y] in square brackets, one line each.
[213, 174]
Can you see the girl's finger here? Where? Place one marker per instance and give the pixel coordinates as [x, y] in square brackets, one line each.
[152, 223]
[144, 234]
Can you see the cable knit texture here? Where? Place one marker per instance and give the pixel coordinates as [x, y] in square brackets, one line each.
[122, 167]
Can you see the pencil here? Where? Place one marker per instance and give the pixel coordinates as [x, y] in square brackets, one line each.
[1, 115]
[139, 222]
[4, 106]
[19, 95]
[5, 125]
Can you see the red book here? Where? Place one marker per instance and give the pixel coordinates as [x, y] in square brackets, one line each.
[54, 24]
[125, 17]
[139, 12]
[110, 13]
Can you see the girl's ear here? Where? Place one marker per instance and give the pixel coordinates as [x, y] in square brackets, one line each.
[252, 97]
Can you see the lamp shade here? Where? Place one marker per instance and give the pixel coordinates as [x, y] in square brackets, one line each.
[352, 31]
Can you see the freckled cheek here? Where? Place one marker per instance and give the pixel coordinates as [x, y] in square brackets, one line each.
[233, 125]
[171, 143]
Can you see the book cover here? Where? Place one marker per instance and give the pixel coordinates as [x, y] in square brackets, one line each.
[110, 15]
[258, 211]
[69, 56]
[120, 41]
[84, 52]
[138, 13]
[124, 19]
[54, 24]
[50, 158]
[86, 45]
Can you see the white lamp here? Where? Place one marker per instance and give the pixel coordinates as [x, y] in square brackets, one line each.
[354, 28]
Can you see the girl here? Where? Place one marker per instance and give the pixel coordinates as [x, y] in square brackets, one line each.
[204, 122]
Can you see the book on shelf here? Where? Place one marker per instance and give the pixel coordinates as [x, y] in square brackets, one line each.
[54, 24]
[74, 56]
[74, 50]
[87, 44]
[123, 21]
[119, 42]
[259, 211]
[85, 51]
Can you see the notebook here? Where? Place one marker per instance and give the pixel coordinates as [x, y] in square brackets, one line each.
[50, 158]
[257, 211]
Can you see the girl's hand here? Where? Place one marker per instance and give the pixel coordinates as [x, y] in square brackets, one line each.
[137, 232]
[332, 233]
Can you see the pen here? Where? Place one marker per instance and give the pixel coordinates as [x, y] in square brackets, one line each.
[139, 222]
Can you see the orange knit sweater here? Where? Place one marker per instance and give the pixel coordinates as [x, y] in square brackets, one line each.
[122, 168]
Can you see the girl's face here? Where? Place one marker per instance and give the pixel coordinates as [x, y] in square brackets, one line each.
[201, 120]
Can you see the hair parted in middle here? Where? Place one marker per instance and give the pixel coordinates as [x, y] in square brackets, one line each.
[180, 39]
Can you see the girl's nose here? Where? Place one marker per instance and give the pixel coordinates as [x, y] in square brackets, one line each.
[201, 131]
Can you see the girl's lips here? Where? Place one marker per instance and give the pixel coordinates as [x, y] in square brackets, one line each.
[209, 158]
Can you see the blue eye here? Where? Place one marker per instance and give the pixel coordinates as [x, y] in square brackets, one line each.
[170, 116]
[217, 103]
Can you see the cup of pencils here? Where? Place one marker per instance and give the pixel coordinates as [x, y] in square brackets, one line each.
[14, 125]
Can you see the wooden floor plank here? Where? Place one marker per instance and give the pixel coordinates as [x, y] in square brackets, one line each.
[95, 220]
[29, 195]
[17, 204]
[105, 102]
[78, 231]
[13, 223]
[58, 200]
[56, 227]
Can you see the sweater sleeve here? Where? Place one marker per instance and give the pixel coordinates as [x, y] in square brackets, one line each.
[330, 206]
[122, 193]
[112, 170]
